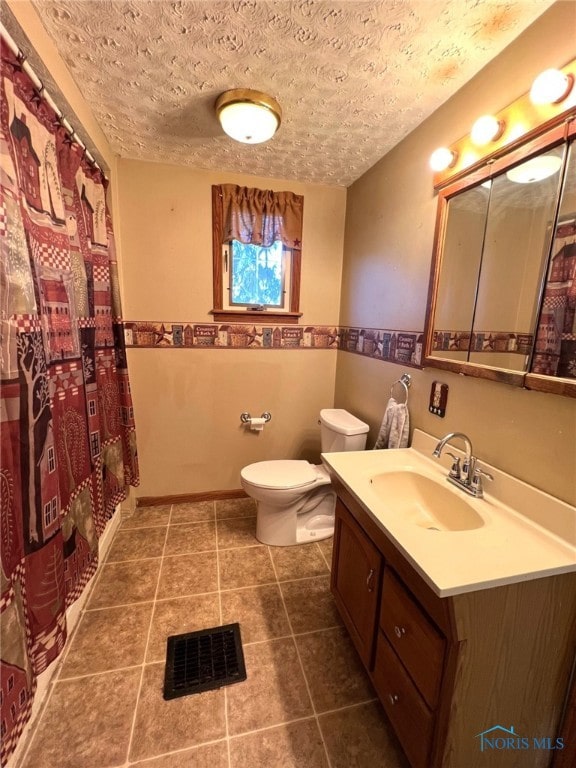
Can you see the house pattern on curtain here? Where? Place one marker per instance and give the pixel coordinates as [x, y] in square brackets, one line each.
[68, 449]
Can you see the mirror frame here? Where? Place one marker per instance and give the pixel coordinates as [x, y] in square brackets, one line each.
[493, 165]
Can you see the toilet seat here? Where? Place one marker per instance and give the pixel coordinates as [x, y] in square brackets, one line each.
[284, 474]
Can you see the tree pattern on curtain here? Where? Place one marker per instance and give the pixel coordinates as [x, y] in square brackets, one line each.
[555, 351]
[68, 448]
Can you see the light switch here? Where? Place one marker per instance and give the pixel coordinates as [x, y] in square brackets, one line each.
[438, 398]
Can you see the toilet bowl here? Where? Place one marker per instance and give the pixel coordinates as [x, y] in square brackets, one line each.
[295, 500]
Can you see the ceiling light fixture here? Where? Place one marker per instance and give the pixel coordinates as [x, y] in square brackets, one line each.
[551, 87]
[535, 170]
[442, 158]
[487, 128]
[251, 117]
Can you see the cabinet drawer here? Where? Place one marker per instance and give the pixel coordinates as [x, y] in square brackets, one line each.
[411, 719]
[413, 636]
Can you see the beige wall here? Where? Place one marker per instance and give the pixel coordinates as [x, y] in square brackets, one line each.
[388, 245]
[188, 402]
[165, 263]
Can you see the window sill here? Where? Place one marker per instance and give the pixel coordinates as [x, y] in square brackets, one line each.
[248, 315]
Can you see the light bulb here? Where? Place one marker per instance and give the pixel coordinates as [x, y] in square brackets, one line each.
[487, 128]
[442, 158]
[550, 87]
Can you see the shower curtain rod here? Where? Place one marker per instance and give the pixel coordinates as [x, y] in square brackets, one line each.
[17, 51]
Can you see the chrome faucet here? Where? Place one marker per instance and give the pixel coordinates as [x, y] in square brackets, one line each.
[467, 476]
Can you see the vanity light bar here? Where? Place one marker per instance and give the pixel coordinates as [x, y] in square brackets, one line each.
[551, 100]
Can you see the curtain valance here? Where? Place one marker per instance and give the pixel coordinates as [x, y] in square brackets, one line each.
[261, 216]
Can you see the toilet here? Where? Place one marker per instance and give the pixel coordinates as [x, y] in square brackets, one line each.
[295, 500]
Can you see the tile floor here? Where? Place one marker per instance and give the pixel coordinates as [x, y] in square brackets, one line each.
[306, 703]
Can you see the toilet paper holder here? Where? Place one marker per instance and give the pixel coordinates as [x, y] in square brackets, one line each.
[245, 417]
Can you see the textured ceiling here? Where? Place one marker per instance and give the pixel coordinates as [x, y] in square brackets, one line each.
[353, 78]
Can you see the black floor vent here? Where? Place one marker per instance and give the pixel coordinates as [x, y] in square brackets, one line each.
[203, 660]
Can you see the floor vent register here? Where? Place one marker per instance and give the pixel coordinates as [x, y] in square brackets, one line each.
[203, 660]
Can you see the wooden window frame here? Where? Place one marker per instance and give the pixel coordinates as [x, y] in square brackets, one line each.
[272, 317]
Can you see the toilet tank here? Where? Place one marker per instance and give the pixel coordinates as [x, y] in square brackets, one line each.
[341, 431]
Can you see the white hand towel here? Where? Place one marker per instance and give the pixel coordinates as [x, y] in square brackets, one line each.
[395, 426]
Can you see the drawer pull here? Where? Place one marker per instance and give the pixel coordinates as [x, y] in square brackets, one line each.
[399, 631]
[393, 698]
[370, 580]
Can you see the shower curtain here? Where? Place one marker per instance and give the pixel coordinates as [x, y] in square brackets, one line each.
[555, 350]
[68, 449]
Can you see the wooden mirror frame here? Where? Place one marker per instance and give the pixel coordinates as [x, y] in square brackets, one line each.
[493, 165]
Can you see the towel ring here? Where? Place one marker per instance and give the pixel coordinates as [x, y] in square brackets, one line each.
[405, 381]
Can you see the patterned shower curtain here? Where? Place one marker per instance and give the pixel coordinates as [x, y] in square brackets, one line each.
[555, 350]
[68, 449]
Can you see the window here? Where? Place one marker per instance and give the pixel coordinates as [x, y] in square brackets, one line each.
[50, 512]
[51, 459]
[256, 254]
[256, 276]
[94, 443]
[92, 407]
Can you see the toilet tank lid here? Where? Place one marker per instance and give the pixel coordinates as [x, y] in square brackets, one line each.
[342, 422]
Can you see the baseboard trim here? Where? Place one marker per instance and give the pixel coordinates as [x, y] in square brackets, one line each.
[155, 501]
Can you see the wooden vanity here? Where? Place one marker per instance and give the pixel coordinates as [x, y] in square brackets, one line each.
[449, 669]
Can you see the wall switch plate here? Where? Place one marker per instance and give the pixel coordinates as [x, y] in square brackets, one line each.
[438, 398]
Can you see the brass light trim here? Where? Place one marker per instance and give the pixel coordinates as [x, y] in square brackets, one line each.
[248, 116]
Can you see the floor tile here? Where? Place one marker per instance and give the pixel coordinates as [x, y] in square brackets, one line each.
[361, 736]
[259, 611]
[164, 726]
[178, 616]
[274, 691]
[333, 670]
[243, 507]
[245, 567]
[206, 756]
[297, 745]
[326, 546]
[238, 532]
[190, 537]
[144, 517]
[137, 543]
[310, 604]
[130, 582]
[298, 562]
[188, 575]
[109, 638]
[87, 722]
[192, 512]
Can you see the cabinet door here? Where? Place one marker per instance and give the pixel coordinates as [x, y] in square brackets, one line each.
[356, 577]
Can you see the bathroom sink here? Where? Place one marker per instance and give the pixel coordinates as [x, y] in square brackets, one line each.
[425, 502]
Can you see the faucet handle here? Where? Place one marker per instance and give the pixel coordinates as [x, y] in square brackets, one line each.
[455, 468]
[477, 481]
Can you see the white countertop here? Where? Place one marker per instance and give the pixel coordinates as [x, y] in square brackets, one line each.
[534, 538]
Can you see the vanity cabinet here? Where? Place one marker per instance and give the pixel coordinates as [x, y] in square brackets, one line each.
[449, 669]
[356, 582]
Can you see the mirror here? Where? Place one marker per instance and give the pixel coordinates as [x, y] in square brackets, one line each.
[503, 287]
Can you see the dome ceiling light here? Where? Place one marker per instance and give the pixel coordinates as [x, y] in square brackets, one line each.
[248, 116]
[535, 170]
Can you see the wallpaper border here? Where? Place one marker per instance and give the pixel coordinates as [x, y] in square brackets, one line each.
[390, 345]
